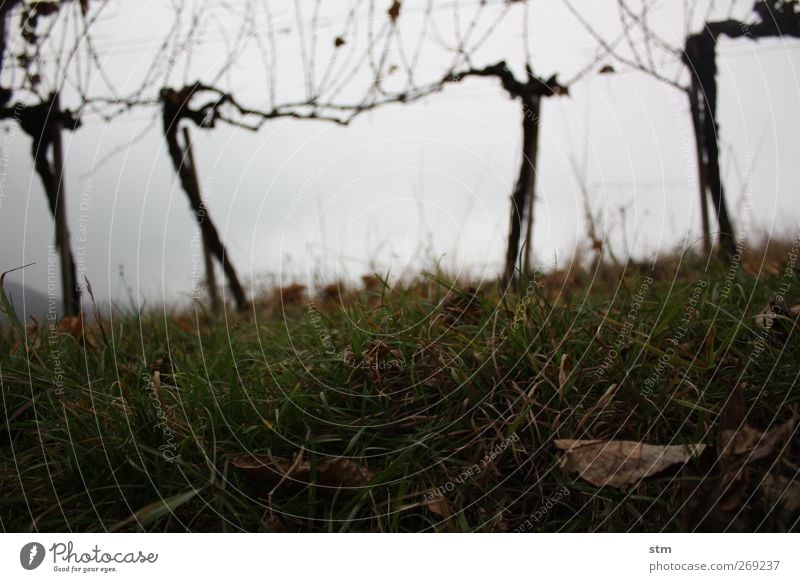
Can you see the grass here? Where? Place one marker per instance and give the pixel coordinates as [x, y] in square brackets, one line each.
[142, 422]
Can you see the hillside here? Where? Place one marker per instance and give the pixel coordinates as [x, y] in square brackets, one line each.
[432, 406]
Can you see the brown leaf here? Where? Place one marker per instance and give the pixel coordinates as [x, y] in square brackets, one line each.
[438, 506]
[740, 447]
[74, 326]
[732, 490]
[333, 292]
[741, 444]
[273, 523]
[737, 442]
[735, 436]
[773, 441]
[781, 491]
[621, 463]
[34, 339]
[336, 472]
[338, 41]
[724, 502]
[292, 294]
[371, 282]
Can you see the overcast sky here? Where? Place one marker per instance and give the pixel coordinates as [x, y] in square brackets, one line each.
[406, 186]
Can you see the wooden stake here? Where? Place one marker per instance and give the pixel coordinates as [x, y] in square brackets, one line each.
[211, 278]
[69, 283]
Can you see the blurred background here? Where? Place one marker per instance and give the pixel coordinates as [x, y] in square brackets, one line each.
[404, 186]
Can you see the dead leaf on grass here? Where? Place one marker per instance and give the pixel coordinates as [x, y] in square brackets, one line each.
[292, 294]
[781, 491]
[371, 282]
[621, 463]
[438, 506]
[333, 292]
[747, 446]
[75, 326]
[34, 338]
[746, 470]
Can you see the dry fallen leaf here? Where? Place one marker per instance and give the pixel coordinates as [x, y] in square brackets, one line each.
[773, 441]
[371, 282]
[748, 447]
[738, 441]
[273, 523]
[621, 463]
[333, 292]
[745, 470]
[292, 294]
[736, 437]
[782, 492]
[438, 506]
[335, 472]
[74, 326]
[34, 339]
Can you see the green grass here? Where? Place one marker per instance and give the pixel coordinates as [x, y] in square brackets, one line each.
[460, 373]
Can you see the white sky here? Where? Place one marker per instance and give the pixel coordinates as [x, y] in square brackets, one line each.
[407, 185]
